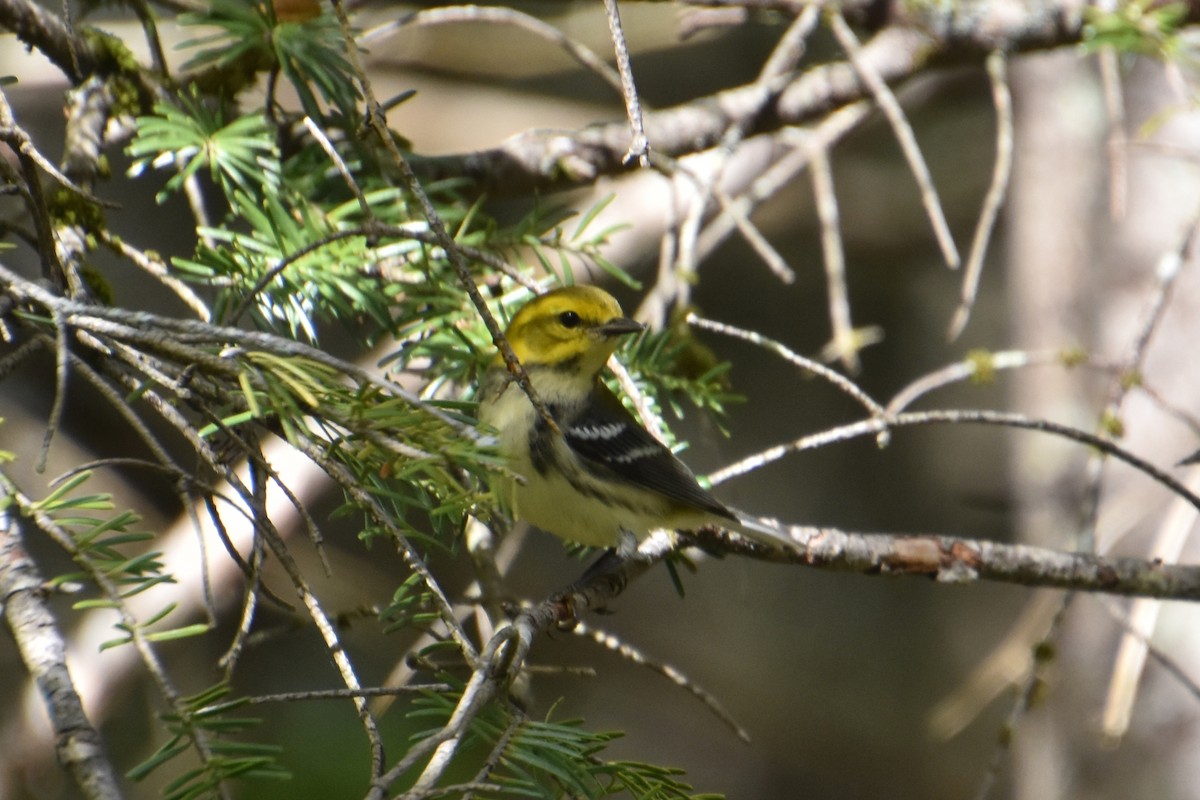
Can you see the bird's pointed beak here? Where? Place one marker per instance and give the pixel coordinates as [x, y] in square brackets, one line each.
[619, 326]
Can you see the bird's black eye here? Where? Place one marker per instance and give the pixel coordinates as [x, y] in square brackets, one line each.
[569, 319]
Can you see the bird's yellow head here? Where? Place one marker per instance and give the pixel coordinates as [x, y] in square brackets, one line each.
[576, 326]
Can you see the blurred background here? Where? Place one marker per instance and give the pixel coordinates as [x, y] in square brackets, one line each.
[849, 686]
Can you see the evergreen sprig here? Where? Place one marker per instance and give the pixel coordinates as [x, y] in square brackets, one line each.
[549, 759]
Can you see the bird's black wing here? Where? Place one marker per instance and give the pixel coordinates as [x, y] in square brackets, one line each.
[611, 443]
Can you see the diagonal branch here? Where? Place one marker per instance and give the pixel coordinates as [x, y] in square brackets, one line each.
[43, 651]
[40, 29]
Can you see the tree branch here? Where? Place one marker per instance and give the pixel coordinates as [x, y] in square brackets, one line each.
[42, 30]
[952, 559]
[908, 38]
[43, 651]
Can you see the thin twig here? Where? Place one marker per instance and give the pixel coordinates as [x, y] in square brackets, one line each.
[354, 488]
[639, 145]
[869, 427]
[839, 381]
[771, 81]
[994, 199]
[974, 367]
[786, 54]
[498, 750]
[780, 174]
[11, 361]
[844, 343]
[442, 745]
[19, 141]
[52, 267]
[502, 16]
[1117, 141]
[120, 405]
[891, 109]
[158, 269]
[315, 131]
[754, 237]
[174, 337]
[228, 661]
[611, 641]
[1130, 661]
[157, 57]
[327, 694]
[62, 360]
[1174, 530]
[321, 620]
[1125, 620]
[669, 289]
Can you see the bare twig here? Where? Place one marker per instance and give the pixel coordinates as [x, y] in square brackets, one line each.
[540, 158]
[840, 381]
[611, 641]
[157, 57]
[904, 134]
[502, 16]
[154, 266]
[52, 267]
[228, 661]
[336, 651]
[1118, 140]
[1001, 173]
[1131, 655]
[62, 368]
[1173, 667]
[754, 237]
[639, 146]
[315, 131]
[412, 558]
[844, 343]
[780, 173]
[957, 416]
[790, 48]
[771, 80]
[480, 689]
[976, 366]
[1177, 526]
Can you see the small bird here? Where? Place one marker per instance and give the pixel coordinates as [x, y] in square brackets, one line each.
[601, 479]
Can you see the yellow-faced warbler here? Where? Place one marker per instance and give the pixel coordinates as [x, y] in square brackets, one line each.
[601, 479]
